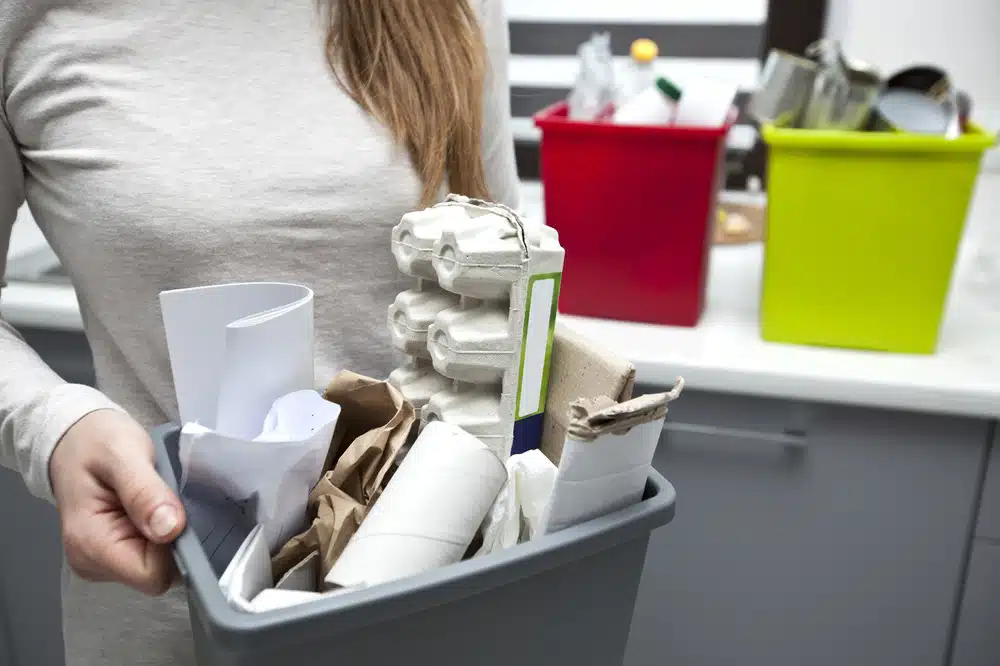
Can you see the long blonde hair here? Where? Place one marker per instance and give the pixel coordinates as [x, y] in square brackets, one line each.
[417, 66]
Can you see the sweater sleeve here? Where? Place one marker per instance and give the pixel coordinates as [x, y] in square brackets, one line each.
[498, 141]
[36, 405]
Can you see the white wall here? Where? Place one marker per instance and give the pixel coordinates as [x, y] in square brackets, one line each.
[963, 36]
[642, 11]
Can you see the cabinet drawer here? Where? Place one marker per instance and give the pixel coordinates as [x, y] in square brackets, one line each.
[989, 507]
[825, 547]
[977, 639]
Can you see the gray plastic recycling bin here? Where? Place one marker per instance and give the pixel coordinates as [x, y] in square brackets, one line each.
[562, 599]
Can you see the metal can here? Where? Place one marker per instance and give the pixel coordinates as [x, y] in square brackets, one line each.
[921, 100]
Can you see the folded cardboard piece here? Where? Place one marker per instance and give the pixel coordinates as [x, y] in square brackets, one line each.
[593, 419]
[580, 370]
[606, 457]
[374, 424]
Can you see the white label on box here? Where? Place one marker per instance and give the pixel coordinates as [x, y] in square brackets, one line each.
[538, 328]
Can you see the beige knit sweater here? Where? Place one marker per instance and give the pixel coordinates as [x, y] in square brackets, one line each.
[173, 143]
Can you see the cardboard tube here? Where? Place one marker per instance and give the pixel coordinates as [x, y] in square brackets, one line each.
[429, 512]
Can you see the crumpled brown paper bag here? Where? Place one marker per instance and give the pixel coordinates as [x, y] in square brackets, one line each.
[374, 424]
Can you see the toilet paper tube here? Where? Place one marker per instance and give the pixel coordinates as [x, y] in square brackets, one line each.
[429, 512]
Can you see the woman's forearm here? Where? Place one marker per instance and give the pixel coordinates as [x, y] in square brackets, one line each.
[36, 408]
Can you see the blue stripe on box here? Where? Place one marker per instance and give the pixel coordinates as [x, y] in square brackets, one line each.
[527, 433]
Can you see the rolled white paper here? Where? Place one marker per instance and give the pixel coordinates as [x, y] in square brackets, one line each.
[429, 512]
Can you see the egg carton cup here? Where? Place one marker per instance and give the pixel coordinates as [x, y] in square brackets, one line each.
[477, 326]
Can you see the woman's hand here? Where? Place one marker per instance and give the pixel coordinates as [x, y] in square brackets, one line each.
[117, 514]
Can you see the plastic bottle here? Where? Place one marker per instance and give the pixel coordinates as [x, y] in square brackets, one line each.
[593, 93]
[656, 105]
[641, 71]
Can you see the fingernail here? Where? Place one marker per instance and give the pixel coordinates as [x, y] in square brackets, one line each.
[163, 521]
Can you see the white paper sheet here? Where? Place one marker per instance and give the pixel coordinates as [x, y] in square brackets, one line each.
[273, 598]
[249, 573]
[601, 476]
[236, 348]
[247, 582]
[429, 512]
[275, 471]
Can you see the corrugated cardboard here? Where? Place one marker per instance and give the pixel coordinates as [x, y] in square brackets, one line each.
[580, 369]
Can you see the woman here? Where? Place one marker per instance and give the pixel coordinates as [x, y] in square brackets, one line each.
[172, 143]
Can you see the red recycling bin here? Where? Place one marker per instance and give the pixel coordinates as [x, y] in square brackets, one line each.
[635, 209]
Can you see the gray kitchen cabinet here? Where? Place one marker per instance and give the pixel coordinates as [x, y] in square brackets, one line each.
[977, 641]
[989, 506]
[6, 650]
[66, 352]
[31, 551]
[30, 562]
[807, 534]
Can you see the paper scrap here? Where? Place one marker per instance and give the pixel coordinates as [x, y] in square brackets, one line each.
[249, 573]
[517, 513]
[247, 582]
[271, 474]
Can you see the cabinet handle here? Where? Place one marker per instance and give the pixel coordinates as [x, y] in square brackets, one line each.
[791, 438]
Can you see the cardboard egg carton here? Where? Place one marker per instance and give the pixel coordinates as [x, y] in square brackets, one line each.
[477, 326]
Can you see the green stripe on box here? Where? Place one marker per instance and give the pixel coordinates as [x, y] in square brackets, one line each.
[557, 282]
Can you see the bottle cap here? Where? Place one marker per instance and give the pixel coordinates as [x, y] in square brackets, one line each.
[644, 50]
[668, 89]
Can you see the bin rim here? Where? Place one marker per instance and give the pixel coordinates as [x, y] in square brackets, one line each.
[554, 119]
[369, 606]
[975, 140]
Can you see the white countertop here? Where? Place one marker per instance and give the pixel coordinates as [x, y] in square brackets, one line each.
[725, 352]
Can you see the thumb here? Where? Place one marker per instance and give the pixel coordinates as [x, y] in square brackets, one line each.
[150, 504]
